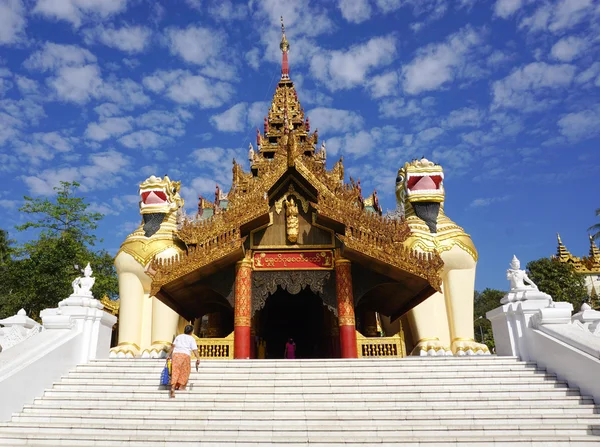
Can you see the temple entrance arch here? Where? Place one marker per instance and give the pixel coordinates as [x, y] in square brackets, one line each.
[301, 316]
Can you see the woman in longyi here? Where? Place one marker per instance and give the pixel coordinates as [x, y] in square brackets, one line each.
[181, 355]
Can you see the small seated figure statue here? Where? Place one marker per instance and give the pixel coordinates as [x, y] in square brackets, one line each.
[522, 288]
[518, 277]
[82, 286]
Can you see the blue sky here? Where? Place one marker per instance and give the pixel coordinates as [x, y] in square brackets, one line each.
[503, 94]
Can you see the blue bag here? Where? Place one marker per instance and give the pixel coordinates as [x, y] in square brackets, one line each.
[164, 376]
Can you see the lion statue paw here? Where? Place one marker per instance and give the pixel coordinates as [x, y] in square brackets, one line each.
[431, 348]
[469, 347]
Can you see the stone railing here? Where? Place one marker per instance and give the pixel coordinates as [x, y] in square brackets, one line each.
[380, 346]
[215, 348]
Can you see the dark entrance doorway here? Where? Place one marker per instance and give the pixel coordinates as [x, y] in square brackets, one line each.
[302, 317]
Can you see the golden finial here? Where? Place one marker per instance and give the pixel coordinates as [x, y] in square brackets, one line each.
[284, 45]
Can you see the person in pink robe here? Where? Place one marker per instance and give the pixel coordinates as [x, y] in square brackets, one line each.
[290, 349]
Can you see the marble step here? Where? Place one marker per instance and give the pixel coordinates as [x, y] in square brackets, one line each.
[374, 411]
[238, 379]
[325, 395]
[207, 441]
[356, 419]
[214, 373]
[292, 385]
[323, 428]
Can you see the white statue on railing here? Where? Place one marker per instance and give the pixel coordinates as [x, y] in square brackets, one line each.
[82, 286]
[518, 277]
[522, 288]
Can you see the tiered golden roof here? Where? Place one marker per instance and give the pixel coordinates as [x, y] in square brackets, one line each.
[584, 265]
[287, 146]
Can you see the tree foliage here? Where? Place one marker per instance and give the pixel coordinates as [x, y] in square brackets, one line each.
[559, 280]
[38, 274]
[485, 301]
[67, 216]
[595, 229]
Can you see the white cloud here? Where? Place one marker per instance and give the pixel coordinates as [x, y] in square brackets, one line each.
[383, 85]
[589, 74]
[107, 109]
[78, 11]
[561, 15]
[401, 108]
[568, 48]
[332, 121]
[355, 11]
[131, 39]
[357, 144]
[77, 84]
[102, 171]
[487, 201]
[506, 8]
[440, 63]
[465, 117]
[519, 89]
[194, 4]
[108, 128]
[26, 86]
[226, 10]
[55, 140]
[231, 120]
[163, 122]
[580, 125]
[144, 139]
[429, 134]
[240, 117]
[253, 58]
[183, 87]
[347, 69]
[54, 56]
[194, 44]
[12, 21]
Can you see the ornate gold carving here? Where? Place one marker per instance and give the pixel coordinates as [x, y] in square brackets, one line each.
[291, 192]
[381, 346]
[243, 294]
[343, 288]
[163, 271]
[287, 142]
[291, 220]
[111, 306]
[215, 348]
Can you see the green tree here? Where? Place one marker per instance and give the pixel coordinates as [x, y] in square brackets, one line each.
[559, 280]
[39, 273]
[485, 301]
[5, 247]
[595, 229]
[67, 216]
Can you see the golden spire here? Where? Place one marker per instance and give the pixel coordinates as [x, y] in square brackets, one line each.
[561, 251]
[594, 251]
[284, 45]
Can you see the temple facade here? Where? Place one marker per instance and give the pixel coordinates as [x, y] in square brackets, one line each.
[587, 266]
[292, 250]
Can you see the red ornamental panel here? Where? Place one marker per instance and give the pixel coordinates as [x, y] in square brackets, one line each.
[293, 260]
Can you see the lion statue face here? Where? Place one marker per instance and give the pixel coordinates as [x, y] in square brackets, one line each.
[160, 195]
[420, 186]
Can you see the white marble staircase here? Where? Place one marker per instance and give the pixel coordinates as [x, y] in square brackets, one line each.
[435, 402]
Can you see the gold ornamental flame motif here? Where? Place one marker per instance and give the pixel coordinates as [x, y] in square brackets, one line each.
[284, 45]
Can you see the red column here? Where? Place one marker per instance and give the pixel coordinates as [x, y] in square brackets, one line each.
[343, 287]
[242, 311]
